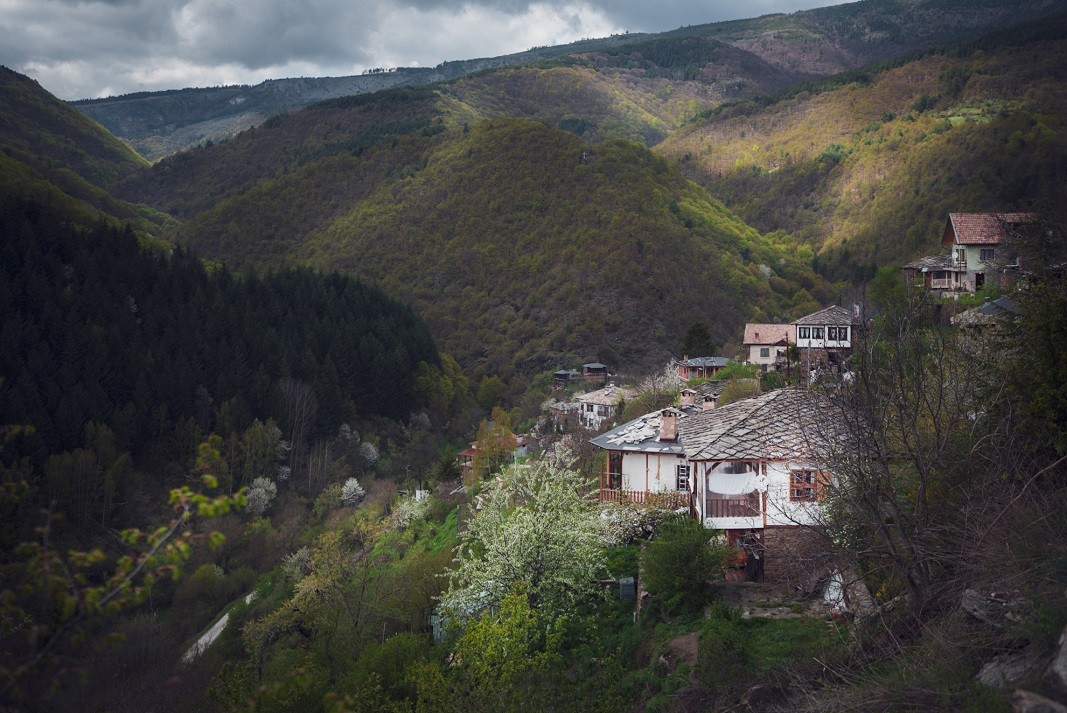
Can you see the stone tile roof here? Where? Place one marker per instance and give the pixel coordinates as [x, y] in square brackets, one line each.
[980, 228]
[987, 313]
[780, 425]
[705, 361]
[642, 434]
[770, 333]
[832, 315]
[931, 263]
[608, 396]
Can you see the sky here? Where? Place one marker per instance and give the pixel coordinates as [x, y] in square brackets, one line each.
[81, 49]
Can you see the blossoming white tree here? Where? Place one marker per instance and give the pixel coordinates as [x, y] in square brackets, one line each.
[534, 524]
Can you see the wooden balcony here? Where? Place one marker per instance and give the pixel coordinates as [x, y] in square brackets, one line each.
[731, 507]
[668, 499]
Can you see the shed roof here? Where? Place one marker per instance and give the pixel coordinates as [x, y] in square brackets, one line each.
[608, 396]
[642, 434]
[931, 263]
[981, 228]
[705, 361]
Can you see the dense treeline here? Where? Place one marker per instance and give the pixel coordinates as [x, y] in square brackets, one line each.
[155, 351]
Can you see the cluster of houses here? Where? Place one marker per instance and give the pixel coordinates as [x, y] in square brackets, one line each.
[755, 469]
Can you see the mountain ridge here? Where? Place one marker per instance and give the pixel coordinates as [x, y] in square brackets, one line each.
[807, 43]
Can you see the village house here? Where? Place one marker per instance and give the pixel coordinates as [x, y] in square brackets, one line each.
[824, 338]
[563, 378]
[767, 345]
[699, 367]
[595, 373]
[976, 253]
[755, 468]
[596, 407]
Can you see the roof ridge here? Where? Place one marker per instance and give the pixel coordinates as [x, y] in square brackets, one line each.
[756, 408]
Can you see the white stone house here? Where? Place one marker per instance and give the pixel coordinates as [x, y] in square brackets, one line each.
[597, 407]
[766, 344]
[754, 467]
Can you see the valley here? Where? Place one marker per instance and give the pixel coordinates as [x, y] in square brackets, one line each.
[585, 378]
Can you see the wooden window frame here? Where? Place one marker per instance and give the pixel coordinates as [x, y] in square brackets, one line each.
[807, 485]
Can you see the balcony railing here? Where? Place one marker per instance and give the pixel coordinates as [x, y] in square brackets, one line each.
[669, 499]
[731, 507]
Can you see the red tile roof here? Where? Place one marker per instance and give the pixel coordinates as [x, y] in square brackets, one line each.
[770, 333]
[980, 228]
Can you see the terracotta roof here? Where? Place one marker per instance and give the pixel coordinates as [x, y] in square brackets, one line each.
[770, 333]
[931, 263]
[980, 228]
[778, 425]
[832, 315]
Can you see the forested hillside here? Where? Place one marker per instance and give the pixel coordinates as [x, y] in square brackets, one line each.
[522, 245]
[52, 152]
[158, 351]
[703, 64]
[865, 167]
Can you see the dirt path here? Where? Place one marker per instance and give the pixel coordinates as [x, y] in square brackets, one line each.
[209, 636]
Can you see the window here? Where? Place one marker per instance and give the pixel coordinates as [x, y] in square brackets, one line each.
[682, 478]
[816, 332]
[831, 333]
[842, 334]
[806, 485]
[988, 255]
[961, 257]
[764, 352]
[803, 332]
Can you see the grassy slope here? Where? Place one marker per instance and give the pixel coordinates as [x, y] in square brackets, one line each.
[867, 171]
[641, 92]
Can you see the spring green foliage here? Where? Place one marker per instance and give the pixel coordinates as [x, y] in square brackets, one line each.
[536, 227]
[531, 211]
[866, 172]
[679, 561]
[52, 599]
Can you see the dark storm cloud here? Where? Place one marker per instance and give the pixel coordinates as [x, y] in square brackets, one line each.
[84, 48]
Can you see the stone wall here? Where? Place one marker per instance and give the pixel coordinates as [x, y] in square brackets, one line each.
[795, 555]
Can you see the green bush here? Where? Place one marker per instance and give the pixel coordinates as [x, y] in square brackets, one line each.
[678, 563]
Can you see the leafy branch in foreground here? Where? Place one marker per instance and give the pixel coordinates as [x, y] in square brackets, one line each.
[50, 600]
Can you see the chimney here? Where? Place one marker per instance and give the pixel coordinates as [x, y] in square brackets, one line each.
[709, 402]
[668, 429]
[688, 397]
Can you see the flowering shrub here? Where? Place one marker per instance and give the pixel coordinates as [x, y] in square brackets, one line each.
[352, 493]
[260, 495]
